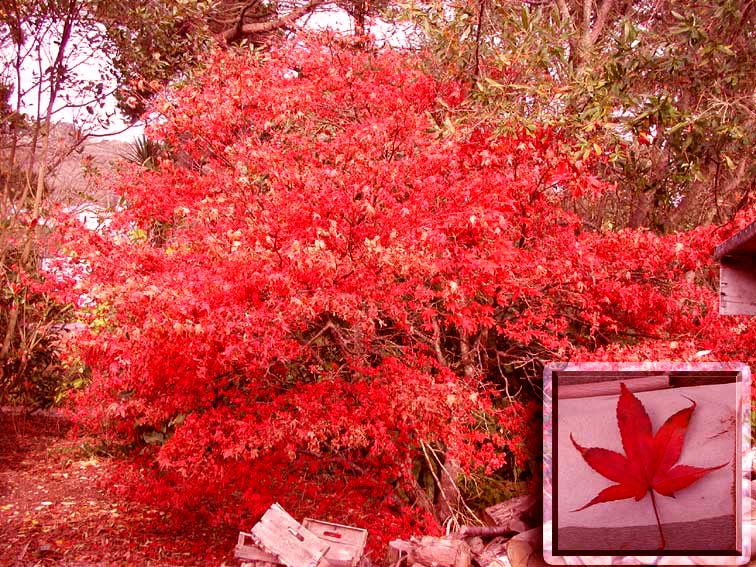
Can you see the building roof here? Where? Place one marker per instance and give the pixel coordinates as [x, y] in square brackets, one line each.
[742, 243]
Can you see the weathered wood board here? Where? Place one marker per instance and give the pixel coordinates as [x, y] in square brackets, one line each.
[247, 550]
[346, 543]
[612, 387]
[510, 513]
[737, 286]
[280, 534]
[710, 507]
[431, 552]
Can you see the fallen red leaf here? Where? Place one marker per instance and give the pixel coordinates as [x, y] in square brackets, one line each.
[648, 463]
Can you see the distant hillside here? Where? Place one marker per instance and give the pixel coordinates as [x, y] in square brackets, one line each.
[85, 174]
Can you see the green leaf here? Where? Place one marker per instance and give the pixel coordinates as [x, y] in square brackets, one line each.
[726, 49]
[677, 127]
[525, 17]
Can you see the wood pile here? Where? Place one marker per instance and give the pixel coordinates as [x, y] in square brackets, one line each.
[508, 541]
[512, 538]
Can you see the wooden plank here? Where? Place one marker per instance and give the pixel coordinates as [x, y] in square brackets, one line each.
[246, 549]
[677, 378]
[398, 550]
[612, 388]
[702, 379]
[432, 551]
[346, 543]
[494, 550]
[510, 514]
[718, 533]
[717, 429]
[568, 378]
[280, 534]
[737, 286]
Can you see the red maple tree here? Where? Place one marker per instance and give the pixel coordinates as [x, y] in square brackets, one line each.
[328, 270]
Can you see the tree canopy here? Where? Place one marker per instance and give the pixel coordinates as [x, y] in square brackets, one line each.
[662, 90]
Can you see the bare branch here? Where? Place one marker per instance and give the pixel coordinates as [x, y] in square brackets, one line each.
[237, 32]
[587, 13]
[478, 33]
[280, 23]
[344, 462]
[437, 343]
[565, 12]
[484, 531]
[598, 25]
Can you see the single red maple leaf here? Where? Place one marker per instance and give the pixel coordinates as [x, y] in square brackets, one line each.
[649, 464]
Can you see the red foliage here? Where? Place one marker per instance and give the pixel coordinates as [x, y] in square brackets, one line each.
[326, 274]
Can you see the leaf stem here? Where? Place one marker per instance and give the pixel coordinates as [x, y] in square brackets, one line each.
[658, 523]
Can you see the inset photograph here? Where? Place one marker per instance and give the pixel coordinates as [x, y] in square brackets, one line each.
[647, 462]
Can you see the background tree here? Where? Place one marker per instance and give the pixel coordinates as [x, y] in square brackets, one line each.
[662, 90]
[60, 61]
[161, 40]
[257, 21]
[33, 45]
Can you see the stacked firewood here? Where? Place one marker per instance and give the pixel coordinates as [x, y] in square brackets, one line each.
[510, 540]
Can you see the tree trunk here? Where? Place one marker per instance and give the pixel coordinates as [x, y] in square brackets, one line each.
[449, 497]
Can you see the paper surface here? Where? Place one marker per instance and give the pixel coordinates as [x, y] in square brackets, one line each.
[710, 441]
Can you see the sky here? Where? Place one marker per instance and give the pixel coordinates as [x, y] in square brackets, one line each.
[90, 66]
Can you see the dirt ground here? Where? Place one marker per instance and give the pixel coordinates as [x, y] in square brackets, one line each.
[55, 511]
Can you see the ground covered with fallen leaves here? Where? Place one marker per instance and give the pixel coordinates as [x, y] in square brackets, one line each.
[56, 507]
